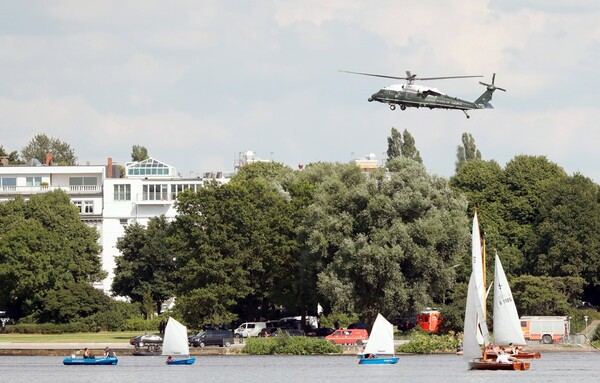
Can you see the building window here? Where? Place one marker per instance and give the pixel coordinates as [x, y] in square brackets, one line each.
[85, 207]
[122, 192]
[33, 181]
[158, 192]
[83, 181]
[148, 167]
[176, 189]
[123, 221]
[8, 181]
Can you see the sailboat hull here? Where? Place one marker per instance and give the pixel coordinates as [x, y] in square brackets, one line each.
[520, 355]
[181, 361]
[493, 365]
[378, 360]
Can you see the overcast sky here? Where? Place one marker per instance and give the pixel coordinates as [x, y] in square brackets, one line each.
[198, 82]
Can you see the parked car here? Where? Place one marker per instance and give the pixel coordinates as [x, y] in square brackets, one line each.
[249, 329]
[213, 338]
[348, 336]
[146, 339]
[192, 336]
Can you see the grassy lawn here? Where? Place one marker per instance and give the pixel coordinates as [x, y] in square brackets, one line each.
[83, 337]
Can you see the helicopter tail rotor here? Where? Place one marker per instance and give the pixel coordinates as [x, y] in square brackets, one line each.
[491, 86]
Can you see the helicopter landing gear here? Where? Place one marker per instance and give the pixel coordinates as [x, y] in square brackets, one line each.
[392, 107]
[465, 112]
[403, 107]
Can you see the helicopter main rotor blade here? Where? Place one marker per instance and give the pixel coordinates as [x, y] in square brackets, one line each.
[443, 78]
[409, 76]
[374, 75]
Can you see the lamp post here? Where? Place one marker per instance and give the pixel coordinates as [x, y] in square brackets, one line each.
[585, 318]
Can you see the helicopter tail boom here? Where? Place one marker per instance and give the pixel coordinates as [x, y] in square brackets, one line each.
[486, 97]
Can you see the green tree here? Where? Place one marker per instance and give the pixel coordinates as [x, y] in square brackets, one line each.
[13, 157]
[73, 302]
[467, 152]
[394, 144]
[41, 144]
[402, 145]
[409, 149]
[545, 295]
[236, 245]
[383, 244]
[139, 153]
[145, 270]
[44, 246]
[568, 234]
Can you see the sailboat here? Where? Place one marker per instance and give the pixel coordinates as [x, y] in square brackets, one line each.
[475, 328]
[175, 343]
[380, 347]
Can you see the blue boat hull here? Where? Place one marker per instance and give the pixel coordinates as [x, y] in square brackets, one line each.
[90, 362]
[181, 361]
[378, 360]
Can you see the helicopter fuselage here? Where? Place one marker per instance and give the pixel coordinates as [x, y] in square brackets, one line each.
[416, 96]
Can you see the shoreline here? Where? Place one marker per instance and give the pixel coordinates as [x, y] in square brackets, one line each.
[125, 349]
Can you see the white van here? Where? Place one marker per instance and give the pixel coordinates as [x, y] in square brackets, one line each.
[249, 329]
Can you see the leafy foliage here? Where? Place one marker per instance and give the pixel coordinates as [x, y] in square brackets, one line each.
[236, 247]
[545, 295]
[402, 145]
[290, 345]
[44, 247]
[145, 271]
[13, 157]
[139, 153]
[467, 152]
[40, 145]
[382, 244]
[425, 343]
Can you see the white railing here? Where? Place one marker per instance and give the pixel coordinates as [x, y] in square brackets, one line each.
[43, 189]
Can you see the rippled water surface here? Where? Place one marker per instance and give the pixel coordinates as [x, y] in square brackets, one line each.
[570, 367]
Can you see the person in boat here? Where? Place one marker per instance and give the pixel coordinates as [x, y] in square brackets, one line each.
[512, 349]
[169, 358]
[505, 358]
[108, 352]
[87, 354]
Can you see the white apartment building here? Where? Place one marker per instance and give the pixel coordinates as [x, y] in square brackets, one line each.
[106, 201]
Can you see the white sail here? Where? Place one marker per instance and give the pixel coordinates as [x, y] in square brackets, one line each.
[507, 326]
[381, 340]
[175, 341]
[474, 326]
[477, 268]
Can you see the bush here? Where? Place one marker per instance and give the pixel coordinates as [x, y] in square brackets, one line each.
[343, 320]
[291, 345]
[49, 328]
[425, 343]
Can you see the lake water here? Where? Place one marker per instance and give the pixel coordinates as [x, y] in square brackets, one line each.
[571, 367]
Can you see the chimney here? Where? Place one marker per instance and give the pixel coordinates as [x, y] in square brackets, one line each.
[110, 168]
[48, 159]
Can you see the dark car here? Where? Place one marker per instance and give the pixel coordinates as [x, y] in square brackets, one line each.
[213, 338]
[194, 335]
[145, 340]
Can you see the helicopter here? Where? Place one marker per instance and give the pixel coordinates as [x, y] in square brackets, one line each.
[410, 95]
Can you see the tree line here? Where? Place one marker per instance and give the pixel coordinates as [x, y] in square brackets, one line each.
[276, 241]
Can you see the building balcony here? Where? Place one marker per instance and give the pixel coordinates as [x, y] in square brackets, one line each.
[29, 190]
